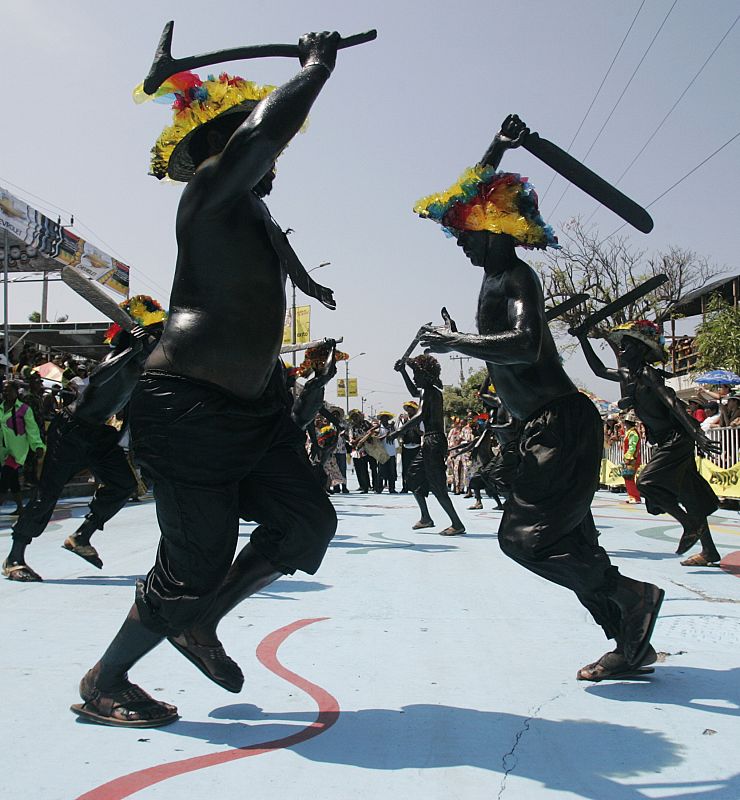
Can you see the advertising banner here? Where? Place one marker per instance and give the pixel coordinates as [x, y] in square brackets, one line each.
[303, 325]
[342, 387]
[38, 244]
[94, 263]
[724, 482]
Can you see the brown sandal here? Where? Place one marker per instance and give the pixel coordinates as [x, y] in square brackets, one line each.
[700, 560]
[212, 661]
[21, 573]
[614, 666]
[452, 531]
[131, 707]
[86, 551]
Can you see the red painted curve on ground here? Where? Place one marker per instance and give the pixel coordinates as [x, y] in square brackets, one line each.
[731, 563]
[329, 711]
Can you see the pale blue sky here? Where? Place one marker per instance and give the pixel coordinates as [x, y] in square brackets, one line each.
[400, 118]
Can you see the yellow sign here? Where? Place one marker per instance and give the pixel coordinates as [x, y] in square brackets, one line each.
[342, 385]
[724, 482]
[302, 327]
[611, 473]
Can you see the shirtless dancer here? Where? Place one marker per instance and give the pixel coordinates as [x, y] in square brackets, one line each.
[79, 438]
[427, 472]
[547, 524]
[214, 385]
[669, 482]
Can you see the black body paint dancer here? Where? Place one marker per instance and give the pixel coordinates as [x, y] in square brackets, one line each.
[78, 438]
[669, 482]
[206, 391]
[547, 524]
[427, 472]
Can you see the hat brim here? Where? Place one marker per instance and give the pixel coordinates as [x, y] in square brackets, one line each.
[657, 350]
[180, 166]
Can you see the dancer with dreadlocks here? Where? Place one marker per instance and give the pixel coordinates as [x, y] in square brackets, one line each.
[427, 472]
[199, 396]
[547, 524]
[79, 438]
[669, 482]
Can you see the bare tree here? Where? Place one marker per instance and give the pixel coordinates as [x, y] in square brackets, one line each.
[606, 269]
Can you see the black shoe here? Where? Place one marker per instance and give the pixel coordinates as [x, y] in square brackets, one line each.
[345, 490]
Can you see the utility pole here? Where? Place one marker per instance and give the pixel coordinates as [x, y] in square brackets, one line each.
[461, 359]
[346, 378]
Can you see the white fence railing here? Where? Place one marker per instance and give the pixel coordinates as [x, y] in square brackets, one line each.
[729, 439]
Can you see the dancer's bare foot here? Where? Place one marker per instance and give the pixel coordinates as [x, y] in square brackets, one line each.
[477, 505]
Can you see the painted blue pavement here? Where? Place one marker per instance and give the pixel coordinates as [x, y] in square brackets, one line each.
[453, 670]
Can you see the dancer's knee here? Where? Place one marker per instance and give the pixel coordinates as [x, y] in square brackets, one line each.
[517, 546]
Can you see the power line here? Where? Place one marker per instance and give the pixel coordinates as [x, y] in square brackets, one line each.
[151, 283]
[619, 99]
[680, 180]
[671, 110]
[36, 197]
[603, 81]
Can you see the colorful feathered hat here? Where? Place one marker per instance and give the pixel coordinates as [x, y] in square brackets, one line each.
[315, 358]
[195, 103]
[644, 330]
[142, 309]
[486, 200]
[326, 435]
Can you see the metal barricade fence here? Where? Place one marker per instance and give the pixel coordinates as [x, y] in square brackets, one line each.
[729, 439]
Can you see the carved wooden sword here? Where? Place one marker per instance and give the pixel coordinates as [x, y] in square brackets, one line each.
[584, 178]
[650, 285]
[164, 65]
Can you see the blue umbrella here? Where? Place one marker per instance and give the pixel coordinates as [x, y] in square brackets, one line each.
[718, 376]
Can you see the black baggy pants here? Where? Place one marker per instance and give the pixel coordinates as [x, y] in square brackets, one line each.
[71, 446]
[215, 458]
[671, 477]
[547, 524]
[361, 466]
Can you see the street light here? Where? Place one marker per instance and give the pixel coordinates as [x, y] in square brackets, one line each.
[346, 378]
[294, 325]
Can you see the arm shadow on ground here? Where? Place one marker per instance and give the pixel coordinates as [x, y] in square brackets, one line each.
[583, 757]
[94, 580]
[352, 546]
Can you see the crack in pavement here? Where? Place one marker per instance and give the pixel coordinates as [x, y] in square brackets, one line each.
[510, 757]
[704, 595]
